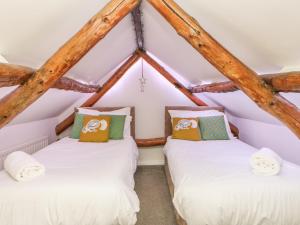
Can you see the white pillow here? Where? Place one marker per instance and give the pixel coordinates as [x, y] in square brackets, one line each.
[124, 111]
[204, 113]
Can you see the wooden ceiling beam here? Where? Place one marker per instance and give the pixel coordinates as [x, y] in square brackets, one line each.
[231, 67]
[62, 126]
[138, 27]
[11, 75]
[280, 82]
[63, 60]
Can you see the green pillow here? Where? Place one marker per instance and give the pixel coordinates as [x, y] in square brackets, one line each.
[213, 128]
[77, 126]
[116, 130]
[117, 127]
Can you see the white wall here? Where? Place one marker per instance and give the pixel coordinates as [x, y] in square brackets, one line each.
[275, 136]
[149, 105]
[15, 135]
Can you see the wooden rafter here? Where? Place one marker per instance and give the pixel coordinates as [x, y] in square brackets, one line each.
[138, 26]
[98, 95]
[11, 75]
[281, 82]
[63, 60]
[171, 79]
[242, 76]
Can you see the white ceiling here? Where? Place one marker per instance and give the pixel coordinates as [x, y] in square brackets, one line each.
[263, 34]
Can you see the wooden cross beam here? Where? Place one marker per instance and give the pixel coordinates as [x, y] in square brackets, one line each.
[98, 95]
[138, 26]
[280, 82]
[63, 60]
[11, 75]
[231, 67]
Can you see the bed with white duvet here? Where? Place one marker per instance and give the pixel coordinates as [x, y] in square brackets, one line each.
[214, 185]
[84, 184]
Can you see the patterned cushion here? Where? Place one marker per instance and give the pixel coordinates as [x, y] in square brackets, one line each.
[95, 129]
[77, 126]
[213, 128]
[186, 129]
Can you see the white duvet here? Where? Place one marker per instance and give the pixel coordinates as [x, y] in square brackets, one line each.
[84, 184]
[214, 185]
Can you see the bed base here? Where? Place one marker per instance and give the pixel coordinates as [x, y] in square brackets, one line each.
[179, 219]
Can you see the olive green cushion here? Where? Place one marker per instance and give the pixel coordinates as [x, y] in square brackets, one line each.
[213, 128]
[77, 126]
[116, 126]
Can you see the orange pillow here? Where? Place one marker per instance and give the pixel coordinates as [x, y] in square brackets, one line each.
[95, 129]
[186, 129]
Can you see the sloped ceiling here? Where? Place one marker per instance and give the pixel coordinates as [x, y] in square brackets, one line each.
[260, 33]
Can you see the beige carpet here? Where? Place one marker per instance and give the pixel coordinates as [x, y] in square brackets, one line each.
[155, 200]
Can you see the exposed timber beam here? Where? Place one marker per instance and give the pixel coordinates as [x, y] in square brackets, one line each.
[242, 76]
[161, 70]
[151, 142]
[63, 60]
[98, 95]
[11, 75]
[280, 82]
[68, 84]
[138, 26]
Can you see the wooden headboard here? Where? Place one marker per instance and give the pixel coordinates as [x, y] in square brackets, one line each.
[168, 124]
[106, 109]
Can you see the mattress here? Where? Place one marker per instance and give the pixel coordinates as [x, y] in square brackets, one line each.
[214, 185]
[84, 184]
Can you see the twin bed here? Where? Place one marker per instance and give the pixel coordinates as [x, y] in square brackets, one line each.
[212, 184]
[93, 183]
[85, 184]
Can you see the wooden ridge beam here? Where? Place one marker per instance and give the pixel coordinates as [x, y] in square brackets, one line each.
[98, 95]
[63, 60]
[151, 142]
[280, 82]
[136, 15]
[231, 67]
[171, 79]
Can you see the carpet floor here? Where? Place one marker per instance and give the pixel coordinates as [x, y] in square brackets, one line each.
[155, 200]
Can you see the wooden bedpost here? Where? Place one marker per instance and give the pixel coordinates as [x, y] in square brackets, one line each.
[63, 60]
[242, 76]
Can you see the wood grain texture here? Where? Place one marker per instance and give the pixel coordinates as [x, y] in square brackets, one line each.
[151, 142]
[171, 79]
[98, 95]
[11, 75]
[179, 219]
[138, 27]
[63, 60]
[280, 82]
[231, 67]
[68, 84]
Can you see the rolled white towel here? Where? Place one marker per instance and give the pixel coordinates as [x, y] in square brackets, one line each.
[265, 162]
[23, 167]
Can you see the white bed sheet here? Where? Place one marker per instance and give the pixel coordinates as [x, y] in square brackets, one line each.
[214, 185]
[84, 184]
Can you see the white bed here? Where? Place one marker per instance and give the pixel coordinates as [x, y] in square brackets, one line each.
[84, 184]
[214, 185]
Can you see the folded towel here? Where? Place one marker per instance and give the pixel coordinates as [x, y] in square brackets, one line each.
[265, 162]
[23, 167]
